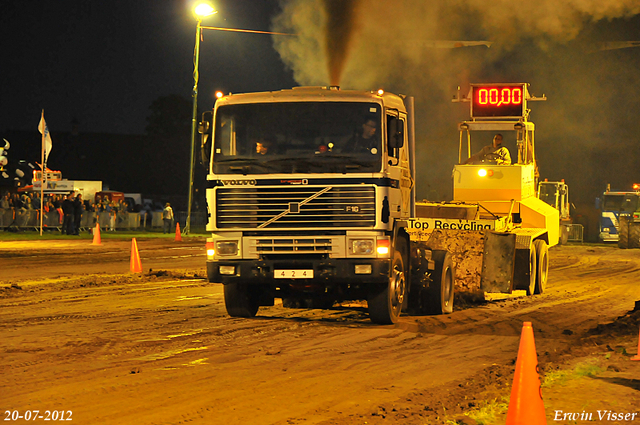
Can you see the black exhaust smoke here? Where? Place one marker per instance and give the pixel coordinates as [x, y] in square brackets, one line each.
[341, 24]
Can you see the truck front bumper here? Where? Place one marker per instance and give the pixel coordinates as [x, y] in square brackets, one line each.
[325, 271]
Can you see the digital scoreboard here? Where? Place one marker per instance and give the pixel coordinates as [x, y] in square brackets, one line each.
[498, 100]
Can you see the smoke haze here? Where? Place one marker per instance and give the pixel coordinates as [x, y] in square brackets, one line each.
[594, 98]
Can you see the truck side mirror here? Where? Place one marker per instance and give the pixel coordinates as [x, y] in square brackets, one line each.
[395, 133]
[205, 125]
[204, 128]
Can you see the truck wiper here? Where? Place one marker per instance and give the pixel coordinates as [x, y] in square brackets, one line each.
[352, 160]
[295, 161]
[220, 161]
[250, 162]
[288, 158]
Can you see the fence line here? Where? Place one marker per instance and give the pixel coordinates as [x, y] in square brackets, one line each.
[25, 219]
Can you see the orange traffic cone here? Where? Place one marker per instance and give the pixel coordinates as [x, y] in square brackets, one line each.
[96, 236]
[526, 405]
[178, 235]
[135, 266]
[637, 356]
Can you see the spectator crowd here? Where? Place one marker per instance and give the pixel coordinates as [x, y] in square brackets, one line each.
[68, 213]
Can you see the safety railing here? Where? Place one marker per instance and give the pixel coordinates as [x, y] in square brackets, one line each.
[24, 219]
[576, 233]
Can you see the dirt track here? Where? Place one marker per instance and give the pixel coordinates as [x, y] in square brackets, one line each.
[158, 348]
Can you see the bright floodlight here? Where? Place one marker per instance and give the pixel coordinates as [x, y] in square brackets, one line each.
[204, 9]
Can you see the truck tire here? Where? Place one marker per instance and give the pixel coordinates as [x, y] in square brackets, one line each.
[524, 273]
[239, 301]
[564, 234]
[634, 234]
[385, 304]
[542, 265]
[439, 296]
[623, 232]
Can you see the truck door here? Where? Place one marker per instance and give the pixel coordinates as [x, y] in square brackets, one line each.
[398, 162]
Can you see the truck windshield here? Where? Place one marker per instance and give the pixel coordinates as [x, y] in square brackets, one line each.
[297, 137]
[622, 203]
[548, 194]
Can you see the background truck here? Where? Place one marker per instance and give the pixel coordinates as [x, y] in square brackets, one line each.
[620, 217]
[556, 194]
[311, 198]
[613, 206]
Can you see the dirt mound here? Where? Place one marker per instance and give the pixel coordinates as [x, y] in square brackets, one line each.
[440, 405]
[626, 324]
[17, 288]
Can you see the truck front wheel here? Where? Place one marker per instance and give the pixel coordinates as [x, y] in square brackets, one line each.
[564, 234]
[239, 301]
[386, 304]
[623, 232]
[634, 234]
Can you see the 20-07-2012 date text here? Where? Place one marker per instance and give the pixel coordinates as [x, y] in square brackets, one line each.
[34, 415]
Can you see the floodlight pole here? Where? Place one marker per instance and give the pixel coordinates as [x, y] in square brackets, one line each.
[194, 122]
[194, 116]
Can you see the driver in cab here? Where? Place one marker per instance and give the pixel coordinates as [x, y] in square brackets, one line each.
[365, 139]
[495, 153]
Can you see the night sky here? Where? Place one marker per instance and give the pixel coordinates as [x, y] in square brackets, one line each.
[104, 63]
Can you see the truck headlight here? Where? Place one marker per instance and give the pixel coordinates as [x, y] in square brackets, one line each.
[227, 247]
[362, 246]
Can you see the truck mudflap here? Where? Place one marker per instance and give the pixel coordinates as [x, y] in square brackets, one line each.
[498, 262]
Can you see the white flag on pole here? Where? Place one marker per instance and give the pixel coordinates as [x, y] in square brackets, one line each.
[44, 130]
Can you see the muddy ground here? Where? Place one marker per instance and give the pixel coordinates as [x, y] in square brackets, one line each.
[79, 333]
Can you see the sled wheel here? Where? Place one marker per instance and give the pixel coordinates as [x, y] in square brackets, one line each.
[542, 262]
[439, 296]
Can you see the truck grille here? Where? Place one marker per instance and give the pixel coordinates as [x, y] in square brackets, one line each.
[295, 207]
[295, 246]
